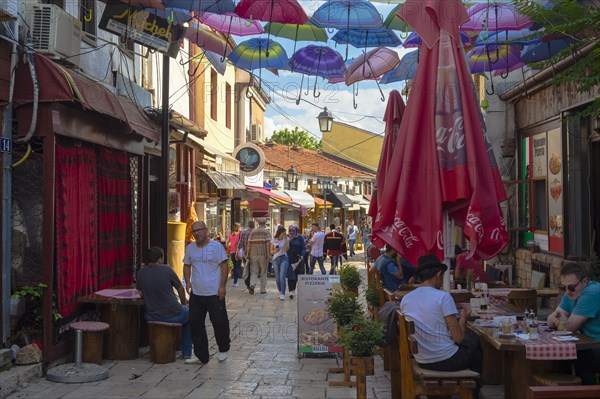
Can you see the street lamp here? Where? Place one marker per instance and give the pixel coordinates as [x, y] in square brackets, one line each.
[292, 178]
[325, 121]
[324, 186]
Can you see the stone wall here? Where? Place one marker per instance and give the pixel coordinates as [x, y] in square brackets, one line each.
[524, 259]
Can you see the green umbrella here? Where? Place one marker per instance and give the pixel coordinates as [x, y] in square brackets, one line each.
[297, 32]
[394, 22]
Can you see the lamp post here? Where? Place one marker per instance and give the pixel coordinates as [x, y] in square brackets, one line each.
[324, 186]
[292, 178]
[325, 121]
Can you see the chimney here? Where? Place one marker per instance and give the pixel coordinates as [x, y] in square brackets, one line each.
[270, 143]
[296, 147]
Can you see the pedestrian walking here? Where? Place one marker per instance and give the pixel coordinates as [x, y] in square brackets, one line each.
[243, 252]
[258, 253]
[279, 247]
[296, 255]
[231, 245]
[316, 249]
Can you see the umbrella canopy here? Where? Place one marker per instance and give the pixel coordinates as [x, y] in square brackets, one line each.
[393, 21]
[493, 57]
[231, 24]
[175, 16]
[297, 32]
[207, 39]
[215, 60]
[413, 40]
[544, 50]
[522, 37]
[442, 160]
[252, 54]
[494, 17]
[374, 63]
[367, 37]
[214, 6]
[283, 11]
[404, 71]
[317, 61]
[394, 111]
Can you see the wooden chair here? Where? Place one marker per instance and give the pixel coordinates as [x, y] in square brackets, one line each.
[93, 339]
[555, 379]
[519, 300]
[419, 381]
[564, 392]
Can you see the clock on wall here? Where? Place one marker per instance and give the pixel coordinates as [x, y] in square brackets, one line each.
[251, 158]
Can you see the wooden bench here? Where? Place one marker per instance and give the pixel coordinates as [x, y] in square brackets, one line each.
[554, 379]
[93, 339]
[163, 339]
[416, 380]
[564, 392]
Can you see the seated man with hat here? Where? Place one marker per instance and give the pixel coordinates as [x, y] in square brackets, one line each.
[443, 340]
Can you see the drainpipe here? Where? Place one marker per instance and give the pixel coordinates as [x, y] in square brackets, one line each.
[7, 193]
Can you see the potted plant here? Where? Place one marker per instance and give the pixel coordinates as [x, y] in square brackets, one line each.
[350, 278]
[343, 307]
[372, 296]
[29, 325]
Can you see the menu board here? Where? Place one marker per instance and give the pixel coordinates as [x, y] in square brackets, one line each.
[316, 328]
[555, 191]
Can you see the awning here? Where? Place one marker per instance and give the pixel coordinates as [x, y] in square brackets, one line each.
[300, 197]
[225, 181]
[58, 84]
[320, 203]
[338, 198]
[358, 202]
[273, 197]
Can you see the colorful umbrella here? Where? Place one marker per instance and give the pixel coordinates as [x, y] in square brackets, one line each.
[544, 50]
[317, 61]
[346, 14]
[494, 17]
[367, 37]
[206, 39]
[283, 11]
[393, 21]
[214, 6]
[522, 37]
[404, 71]
[297, 32]
[369, 65]
[443, 164]
[231, 24]
[493, 57]
[394, 111]
[413, 40]
[253, 54]
[214, 59]
[175, 16]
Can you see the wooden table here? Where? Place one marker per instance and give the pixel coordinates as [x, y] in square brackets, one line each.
[518, 370]
[121, 340]
[495, 292]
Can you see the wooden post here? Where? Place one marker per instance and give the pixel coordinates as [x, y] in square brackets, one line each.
[347, 369]
[362, 366]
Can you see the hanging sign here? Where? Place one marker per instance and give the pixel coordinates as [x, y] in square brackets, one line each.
[143, 27]
[251, 157]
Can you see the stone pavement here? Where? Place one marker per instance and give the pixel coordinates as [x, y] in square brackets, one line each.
[263, 363]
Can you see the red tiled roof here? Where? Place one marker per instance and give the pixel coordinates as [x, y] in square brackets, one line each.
[308, 162]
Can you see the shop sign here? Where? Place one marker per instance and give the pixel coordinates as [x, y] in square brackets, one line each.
[251, 158]
[143, 27]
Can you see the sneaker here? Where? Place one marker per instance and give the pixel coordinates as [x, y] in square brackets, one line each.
[236, 285]
[263, 292]
[292, 293]
[251, 290]
[221, 356]
[282, 297]
[193, 360]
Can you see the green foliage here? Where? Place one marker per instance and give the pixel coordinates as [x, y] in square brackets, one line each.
[362, 336]
[372, 294]
[343, 307]
[575, 20]
[34, 294]
[349, 276]
[296, 136]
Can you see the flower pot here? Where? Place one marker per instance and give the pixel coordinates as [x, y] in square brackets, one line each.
[17, 306]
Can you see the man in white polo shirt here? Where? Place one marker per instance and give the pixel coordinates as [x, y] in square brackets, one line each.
[205, 271]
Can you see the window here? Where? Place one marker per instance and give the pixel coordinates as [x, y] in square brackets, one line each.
[214, 99]
[87, 16]
[228, 105]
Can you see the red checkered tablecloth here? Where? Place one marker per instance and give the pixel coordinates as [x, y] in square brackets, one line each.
[549, 349]
[498, 301]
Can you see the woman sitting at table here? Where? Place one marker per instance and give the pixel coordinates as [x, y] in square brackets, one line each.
[579, 309]
[463, 265]
[443, 340]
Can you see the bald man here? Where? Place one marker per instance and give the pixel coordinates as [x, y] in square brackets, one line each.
[205, 272]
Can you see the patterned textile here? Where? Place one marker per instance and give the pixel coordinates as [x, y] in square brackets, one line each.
[76, 223]
[256, 242]
[115, 219]
[549, 349]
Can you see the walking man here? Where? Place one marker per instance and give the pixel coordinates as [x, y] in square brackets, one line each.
[333, 245]
[156, 280]
[352, 233]
[258, 253]
[316, 249]
[243, 252]
[205, 272]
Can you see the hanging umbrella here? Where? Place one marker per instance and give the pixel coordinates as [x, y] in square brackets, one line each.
[394, 112]
[230, 24]
[252, 54]
[317, 61]
[346, 14]
[213, 6]
[175, 16]
[369, 65]
[442, 164]
[206, 39]
[214, 59]
[494, 17]
[544, 50]
[297, 32]
[522, 37]
[393, 21]
[404, 71]
[413, 40]
[493, 57]
[367, 37]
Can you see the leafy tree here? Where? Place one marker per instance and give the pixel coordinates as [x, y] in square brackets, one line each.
[296, 136]
[578, 20]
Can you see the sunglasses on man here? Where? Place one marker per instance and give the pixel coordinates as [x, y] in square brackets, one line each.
[570, 287]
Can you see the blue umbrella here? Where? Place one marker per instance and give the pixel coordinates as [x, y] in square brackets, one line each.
[367, 37]
[317, 61]
[214, 6]
[521, 37]
[544, 50]
[217, 61]
[346, 14]
[404, 71]
[252, 54]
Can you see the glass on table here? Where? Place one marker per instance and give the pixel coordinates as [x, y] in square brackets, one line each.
[506, 326]
[562, 323]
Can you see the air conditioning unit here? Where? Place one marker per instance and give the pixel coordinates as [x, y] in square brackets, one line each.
[255, 132]
[53, 32]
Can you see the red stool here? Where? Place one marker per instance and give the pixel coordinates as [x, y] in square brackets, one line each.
[93, 339]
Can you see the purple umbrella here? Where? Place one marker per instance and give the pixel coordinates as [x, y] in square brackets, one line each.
[317, 61]
[494, 17]
[493, 57]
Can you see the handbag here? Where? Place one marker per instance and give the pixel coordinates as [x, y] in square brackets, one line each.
[240, 252]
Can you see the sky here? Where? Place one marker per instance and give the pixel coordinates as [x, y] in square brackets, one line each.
[283, 90]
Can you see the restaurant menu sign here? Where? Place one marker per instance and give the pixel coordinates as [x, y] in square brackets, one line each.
[555, 191]
[143, 26]
[316, 329]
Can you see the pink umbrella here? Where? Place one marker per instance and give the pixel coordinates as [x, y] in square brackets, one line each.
[442, 164]
[370, 65]
[495, 17]
[392, 117]
[231, 24]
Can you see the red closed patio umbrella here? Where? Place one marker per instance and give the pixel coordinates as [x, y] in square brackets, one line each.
[442, 162]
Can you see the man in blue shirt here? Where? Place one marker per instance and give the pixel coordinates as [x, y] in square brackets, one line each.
[581, 307]
[391, 275]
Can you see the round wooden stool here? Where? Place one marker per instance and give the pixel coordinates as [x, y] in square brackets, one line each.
[163, 339]
[552, 379]
[93, 339]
